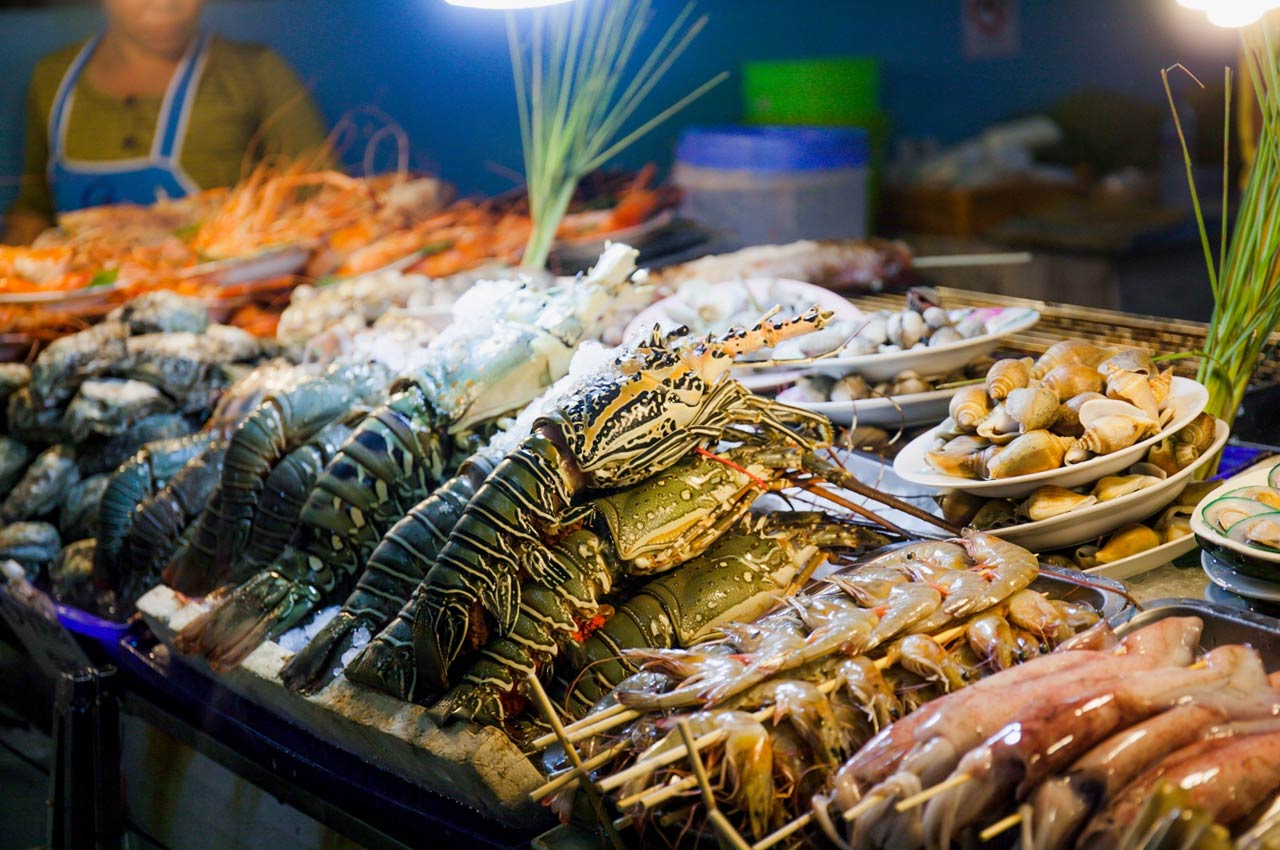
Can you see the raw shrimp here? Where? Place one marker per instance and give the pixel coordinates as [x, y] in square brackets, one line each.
[992, 639]
[1030, 611]
[1008, 568]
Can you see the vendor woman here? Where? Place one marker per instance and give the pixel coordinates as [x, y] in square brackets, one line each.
[152, 107]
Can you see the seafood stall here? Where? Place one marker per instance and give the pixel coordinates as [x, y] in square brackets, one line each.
[534, 520]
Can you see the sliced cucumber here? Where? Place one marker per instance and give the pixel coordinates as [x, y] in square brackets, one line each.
[1227, 511]
[1260, 530]
[1266, 495]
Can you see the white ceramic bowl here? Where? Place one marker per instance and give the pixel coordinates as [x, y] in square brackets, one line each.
[1098, 520]
[1145, 562]
[901, 411]
[1189, 398]
[932, 360]
[1257, 477]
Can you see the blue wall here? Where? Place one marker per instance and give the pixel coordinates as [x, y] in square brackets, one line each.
[444, 74]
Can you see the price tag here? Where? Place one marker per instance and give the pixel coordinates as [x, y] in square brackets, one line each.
[53, 647]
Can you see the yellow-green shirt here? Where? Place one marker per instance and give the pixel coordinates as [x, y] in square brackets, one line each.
[246, 95]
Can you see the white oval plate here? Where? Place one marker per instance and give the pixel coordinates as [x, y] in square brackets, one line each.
[898, 411]
[1189, 400]
[1208, 532]
[924, 361]
[1221, 574]
[1098, 520]
[1145, 562]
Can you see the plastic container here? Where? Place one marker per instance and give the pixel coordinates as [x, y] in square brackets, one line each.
[766, 185]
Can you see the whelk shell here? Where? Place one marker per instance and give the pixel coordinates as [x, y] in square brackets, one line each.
[997, 513]
[1162, 456]
[1005, 376]
[1131, 359]
[1069, 351]
[1035, 451]
[1161, 384]
[1175, 522]
[959, 507]
[1133, 388]
[1032, 407]
[1109, 434]
[1094, 409]
[1071, 379]
[965, 456]
[1052, 500]
[969, 406]
[1199, 432]
[1068, 422]
[999, 427]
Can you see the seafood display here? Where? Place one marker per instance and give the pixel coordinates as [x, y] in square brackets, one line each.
[1075, 402]
[481, 368]
[775, 706]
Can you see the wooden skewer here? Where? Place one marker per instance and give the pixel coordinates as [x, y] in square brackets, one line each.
[929, 793]
[720, 823]
[650, 797]
[862, 807]
[573, 729]
[570, 776]
[1003, 825]
[783, 832]
[609, 783]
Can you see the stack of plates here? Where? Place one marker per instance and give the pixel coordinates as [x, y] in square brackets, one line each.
[1232, 564]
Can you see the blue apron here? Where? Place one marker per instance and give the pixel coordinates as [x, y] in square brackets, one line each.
[139, 180]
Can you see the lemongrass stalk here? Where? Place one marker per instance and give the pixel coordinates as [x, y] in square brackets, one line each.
[1246, 278]
[574, 98]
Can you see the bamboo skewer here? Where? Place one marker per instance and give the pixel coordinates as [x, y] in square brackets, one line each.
[928, 794]
[570, 776]
[1002, 825]
[782, 833]
[719, 822]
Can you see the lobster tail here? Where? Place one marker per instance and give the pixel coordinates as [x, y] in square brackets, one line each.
[387, 663]
[258, 443]
[192, 570]
[393, 572]
[313, 667]
[267, 605]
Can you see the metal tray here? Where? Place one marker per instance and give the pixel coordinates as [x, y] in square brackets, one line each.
[1106, 595]
[1222, 625]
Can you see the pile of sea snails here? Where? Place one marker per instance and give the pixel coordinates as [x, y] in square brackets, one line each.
[1166, 458]
[1172, 523]
[1076, 401]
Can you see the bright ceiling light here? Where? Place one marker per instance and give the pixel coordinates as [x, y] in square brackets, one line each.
[504, 4]
[1231, 13]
